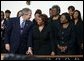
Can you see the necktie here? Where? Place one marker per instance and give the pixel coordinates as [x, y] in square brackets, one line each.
[22, 26]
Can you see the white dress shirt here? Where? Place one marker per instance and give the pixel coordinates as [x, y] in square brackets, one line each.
[21, 20]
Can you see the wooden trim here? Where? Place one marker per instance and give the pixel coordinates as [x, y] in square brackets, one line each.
[62, 56]
[49, 56]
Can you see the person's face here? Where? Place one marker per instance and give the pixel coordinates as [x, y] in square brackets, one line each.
[2, 16]
[28, 15]
[70, 12]
[39, 21]
[54, 11]
[7, 15]
[63, 19]
[37, 16]
[75, 15]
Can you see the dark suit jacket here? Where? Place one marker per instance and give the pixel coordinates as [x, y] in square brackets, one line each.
[16, 40]
[79, 34]
[64, 37]
[42, 41]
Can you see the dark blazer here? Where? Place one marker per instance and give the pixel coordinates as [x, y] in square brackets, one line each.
[64, 37]
[79, 30]
[79, 34]
[42, 41]
[34, 21]
[18, 42]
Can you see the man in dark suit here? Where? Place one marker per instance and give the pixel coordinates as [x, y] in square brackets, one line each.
[18, 33]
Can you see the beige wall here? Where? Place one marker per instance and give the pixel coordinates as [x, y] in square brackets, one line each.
[15, 6]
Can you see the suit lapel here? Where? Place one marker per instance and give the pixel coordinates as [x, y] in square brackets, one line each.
[18, 24]
[26, 26]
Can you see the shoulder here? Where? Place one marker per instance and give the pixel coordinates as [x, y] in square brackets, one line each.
[48, 27]
[72, 26]
[29, 22]
[13, 19]
[80, 22]
[33, 20]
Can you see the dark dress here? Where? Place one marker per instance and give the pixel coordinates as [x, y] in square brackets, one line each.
[64, 37]
[79, 35]
[42, 41]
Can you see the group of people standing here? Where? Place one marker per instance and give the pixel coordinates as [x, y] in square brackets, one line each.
[56, 35]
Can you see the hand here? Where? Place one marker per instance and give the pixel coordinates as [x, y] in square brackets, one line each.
[81, 45]
[7, 47]
[52, 53]
[2, 27]
[64, 48]
[29, 51]
[59, 47]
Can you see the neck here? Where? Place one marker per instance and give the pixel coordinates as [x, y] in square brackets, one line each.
[65, 25]
[71, 16]
[55, 17]
[41, 28]
[7, 18]
[76, 20]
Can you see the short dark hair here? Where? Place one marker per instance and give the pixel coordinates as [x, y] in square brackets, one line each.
[38, 11]
[56, 7]
[71, 7]
[7, 11]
